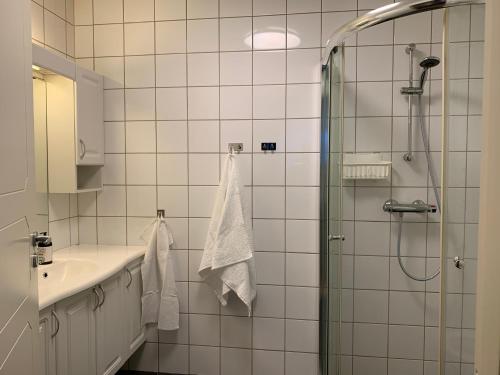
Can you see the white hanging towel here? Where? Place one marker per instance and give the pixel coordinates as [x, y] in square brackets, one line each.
[160, 303]
[228, 263]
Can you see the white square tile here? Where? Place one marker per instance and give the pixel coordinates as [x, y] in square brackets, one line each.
[302, 363]
[302, 202]
[198, 228]
[84, 38]
[203, 301]
[170, 9]
[372, 238]
[171, 70]
[141, 201]
[370, 339]
[302, 303]
[374, 99]
[37, 31]
[261, 7]
[60, 232]
[235, 8]
[56, 6]
[203, 35]
[140, 71]
[170, 37]
[303, 101]
[302, 335]
[413, 29]
[114, 169]
[407, 308]
[112, 68]
[110, 11]
[141, 169]
[204, 360]
[87, 204]
[299, 6]
[236, 102]
[111, 201]
[202, 9]
[201, 200]
[367, 70]
[172, 169]
[406, 342]
[236, 361]
[111, 230]
[135, 229]
[269, 235]
[236, 331]
[304, 30]
[269, 67]
[302, 135]
[236, 131]
[269, 131]
[236, 34]
[303, 66]
[203, 69]
[271, 268]
[171, 136]
[373, 134]
[58, 206]
[335, 5]
[138, 10]
[269, 169]
[296, 263]
[268, 333]
[173, 358]
[370, 306]
[140, 104]
[302, 236]
[269, 102]
[203, 103]
[83, 12]
[203, 136]
[139, 38]
[141, 136]
[270, 301]
[146, 358]
[302, 169]
[267, 362]
[236, 68]
[371, 272]
[332, 21]
[269, 32]
[399, 281]
[55, 31]
[114, 105]
[204, 329]
[171, 103]
[269, 202]
[203, 169]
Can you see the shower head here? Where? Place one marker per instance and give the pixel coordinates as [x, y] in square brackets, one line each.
[427, 63]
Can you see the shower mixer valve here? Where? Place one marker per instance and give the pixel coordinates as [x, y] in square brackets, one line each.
[416, 206]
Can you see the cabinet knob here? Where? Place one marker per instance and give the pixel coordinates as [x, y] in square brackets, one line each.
[57, 324]
[83, 149]
[130, 277]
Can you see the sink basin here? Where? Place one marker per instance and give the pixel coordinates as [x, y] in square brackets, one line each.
[64, 270]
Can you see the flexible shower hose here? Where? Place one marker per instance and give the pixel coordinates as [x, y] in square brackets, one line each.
[432, 173]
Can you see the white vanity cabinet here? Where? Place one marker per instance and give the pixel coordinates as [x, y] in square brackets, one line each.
[132, 306]
[110, 326]
[48, 329]
[94, 331]
[76, 339]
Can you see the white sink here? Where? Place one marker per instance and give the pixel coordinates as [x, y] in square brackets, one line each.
[62, 271]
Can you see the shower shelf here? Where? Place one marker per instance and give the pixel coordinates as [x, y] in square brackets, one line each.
[365, 167]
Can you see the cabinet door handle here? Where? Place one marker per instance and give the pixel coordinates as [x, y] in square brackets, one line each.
[57, 324]
[103, 295]
[98, 299]
[130, 278]
[83, 149]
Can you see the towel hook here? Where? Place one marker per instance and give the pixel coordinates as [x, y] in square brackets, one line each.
[235, 147]
[160, 214]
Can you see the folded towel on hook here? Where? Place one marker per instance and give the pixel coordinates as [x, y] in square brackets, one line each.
[228, 263]
[160, 303]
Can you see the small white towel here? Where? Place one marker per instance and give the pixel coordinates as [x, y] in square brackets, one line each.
[160, 303]
[228, 263]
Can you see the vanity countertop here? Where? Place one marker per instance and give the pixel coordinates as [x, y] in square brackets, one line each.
[80, 267]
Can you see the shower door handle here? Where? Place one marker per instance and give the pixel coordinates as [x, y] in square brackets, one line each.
[338, 237]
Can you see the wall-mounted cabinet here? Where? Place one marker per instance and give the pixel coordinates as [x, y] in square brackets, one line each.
[74, 123]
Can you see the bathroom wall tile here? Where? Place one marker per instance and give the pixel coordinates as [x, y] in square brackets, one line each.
[269, 130]
[203, 136]
[138, 10]
[269, 235]
[267, 362]
[203, 103]
[302, 169]
[236, 102]
[302, 135]
[204, 359]
[87, 230]
[111, 230]
[406, 341]
[361, 365]
[55, 31]
[113, 70]
[139, 71]
[261, 7]
[269, 169]
[203, 169]
[236, 361]
[238, 131]
[141, 169]
[203, 69]
[303, 101]
[170, 70]
[236, 34]
[295, 263]
[173, 358]
[269, 102]
[203, 35]
[170, 37]
[303, 66]
[304, 30]
[201, 200]
[268, 333]
[171, 104]
[111, 201]
[262, 26]
[84, 39]
[140, 104]
[171, 136]
[204, 329]
[145, 359]
[271, 268]
[302, 335]
[302, 303]
[105, 37]
[108, 12]
[172, 169]
[140, 136]
[370, 306]
[235, 68]
[302, 202]
[202, 301]
[302, 236]
[141, 201]
[269, 67]
[174, 200]
[269, 202]
[370, 339]
[114, 105]
[236, 331]
[139, 38]
[114, 169]
[270, 301]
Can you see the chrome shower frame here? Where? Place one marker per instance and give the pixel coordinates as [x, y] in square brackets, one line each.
[375, 17]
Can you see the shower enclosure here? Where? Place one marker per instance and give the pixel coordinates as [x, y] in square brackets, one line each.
[400, 151]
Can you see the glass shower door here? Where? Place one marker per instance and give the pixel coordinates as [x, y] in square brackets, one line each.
[331, 206]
